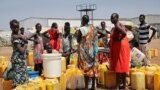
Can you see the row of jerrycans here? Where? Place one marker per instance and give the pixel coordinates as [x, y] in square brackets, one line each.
[140, 78]
[145, 78]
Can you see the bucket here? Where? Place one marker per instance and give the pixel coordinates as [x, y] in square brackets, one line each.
[33, 74]
[137, 54]
[52, 65]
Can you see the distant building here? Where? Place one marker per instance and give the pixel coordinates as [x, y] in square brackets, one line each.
[29, 23]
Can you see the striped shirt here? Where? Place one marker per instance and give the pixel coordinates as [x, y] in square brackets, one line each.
[144, 33]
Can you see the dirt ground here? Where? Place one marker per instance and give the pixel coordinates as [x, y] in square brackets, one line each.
[7, 51]
[155, 43]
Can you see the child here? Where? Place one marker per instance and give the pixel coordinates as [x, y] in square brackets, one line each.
[38, 48]
[22, 30]
[66, 42]
[49, 48]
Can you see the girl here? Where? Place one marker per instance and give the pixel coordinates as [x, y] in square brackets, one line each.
[67, 42]
[53, 36]
[18, 56]
[38, 48]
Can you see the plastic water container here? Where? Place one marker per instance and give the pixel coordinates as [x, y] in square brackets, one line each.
[110, 79]
[157, 81]
[149, 80]
[52, 84]
[52, 65]
[138, 81]
[137, 54]
[63, 64]
[30, 61]
[33, 74]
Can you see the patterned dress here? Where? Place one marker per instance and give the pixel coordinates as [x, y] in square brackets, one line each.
[38, 50]
[88, 49]
[18, 63]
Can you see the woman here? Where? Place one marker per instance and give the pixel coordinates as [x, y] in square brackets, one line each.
[86, 37]
[67, 42]
[119, 51]
[53, 36]
[38, 48]
[18, 56]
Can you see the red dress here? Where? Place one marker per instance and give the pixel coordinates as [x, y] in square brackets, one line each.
[54, 40]
[120, 53]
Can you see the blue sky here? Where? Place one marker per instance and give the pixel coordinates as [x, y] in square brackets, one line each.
[20, 9]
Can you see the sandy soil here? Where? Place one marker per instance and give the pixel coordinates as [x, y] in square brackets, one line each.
[155, 43]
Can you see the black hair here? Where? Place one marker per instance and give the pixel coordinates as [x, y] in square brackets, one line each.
[21, 28]
[142, 15]
[38, 24]
[13, 21]
[54, 25]
[116, 15]
[67, 24]
[103, 22]
[85, 18]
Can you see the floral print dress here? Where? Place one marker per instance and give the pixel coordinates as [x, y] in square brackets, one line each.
[88, 50]
[18, 63]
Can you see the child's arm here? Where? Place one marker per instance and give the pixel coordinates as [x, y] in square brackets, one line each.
[31, 37]
[19, 47]
[24, 38]
[35, 39]
[45, 34]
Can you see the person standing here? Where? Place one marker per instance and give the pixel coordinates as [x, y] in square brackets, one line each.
[38, 48]
[18, 56]
[22, 32]
[144, 38]
[67, 42]
[103, 34]
[119, 51]
[88, 49]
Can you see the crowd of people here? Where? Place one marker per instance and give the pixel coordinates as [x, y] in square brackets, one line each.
[87, 37]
